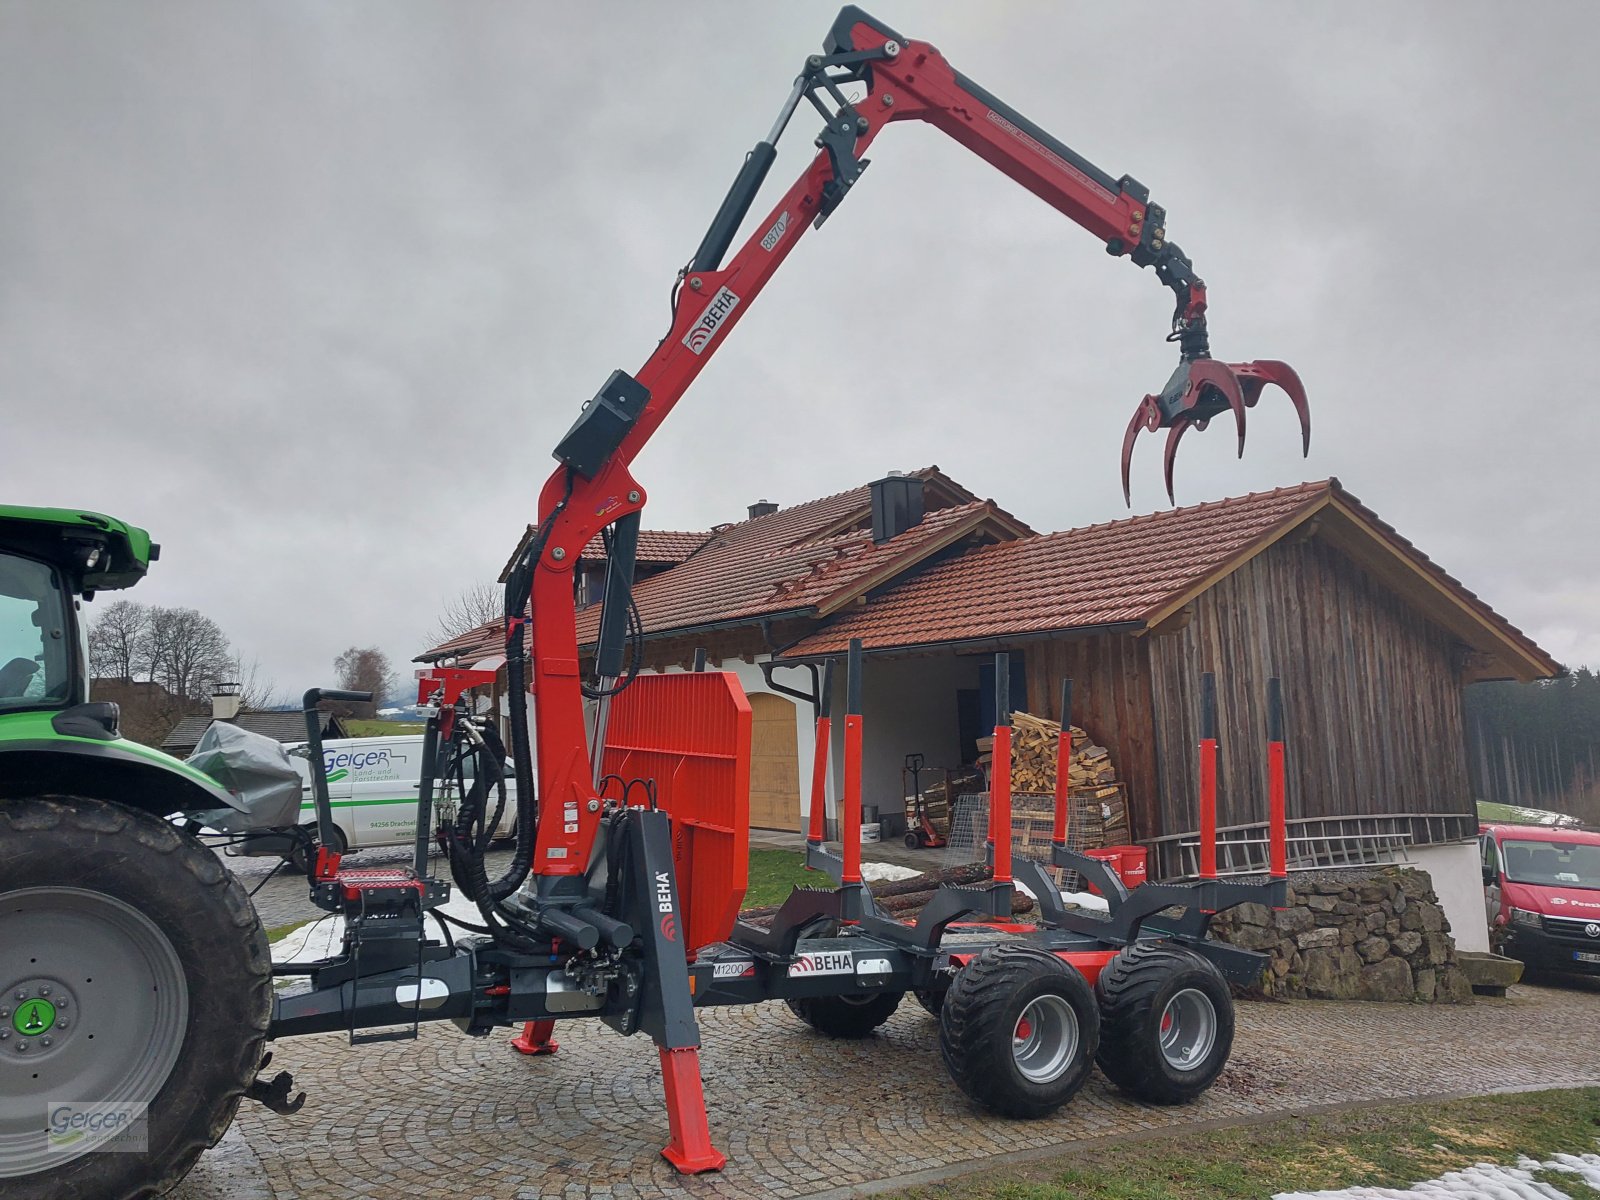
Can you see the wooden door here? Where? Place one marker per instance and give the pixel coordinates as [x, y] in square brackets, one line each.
[774, 764]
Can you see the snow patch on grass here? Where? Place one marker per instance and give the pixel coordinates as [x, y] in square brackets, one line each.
[1482, 1182]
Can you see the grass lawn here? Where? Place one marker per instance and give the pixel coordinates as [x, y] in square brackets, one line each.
[282, 931]
[1379, 1147]
[377, 728]
[774, 873]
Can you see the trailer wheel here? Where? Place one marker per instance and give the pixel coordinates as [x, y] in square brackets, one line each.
[854, 1016]
[147, 980]
[1018, 1030]
[1166, 1021]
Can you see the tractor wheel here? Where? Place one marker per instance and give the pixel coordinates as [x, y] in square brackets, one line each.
[134, 972]
[1166, 1021]
[303, 857]
[1018, 1030]
[854, 1016]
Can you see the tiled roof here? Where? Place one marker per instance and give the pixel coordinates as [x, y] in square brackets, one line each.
[750, 571]
[279, 726]
[1133, 571]
[1115, 573]
[808, 557]
[656, 546]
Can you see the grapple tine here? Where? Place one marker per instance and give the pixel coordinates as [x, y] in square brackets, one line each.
[1169, 456]
[1146, 416]
[1208, 372]
[1263, 371]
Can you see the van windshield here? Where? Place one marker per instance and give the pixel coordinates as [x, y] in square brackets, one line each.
[1552, 864]
[35, 646]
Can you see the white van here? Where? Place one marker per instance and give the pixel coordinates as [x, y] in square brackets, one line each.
[372, 784]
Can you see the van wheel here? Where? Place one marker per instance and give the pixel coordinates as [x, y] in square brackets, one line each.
[135, 971]
[303, 857]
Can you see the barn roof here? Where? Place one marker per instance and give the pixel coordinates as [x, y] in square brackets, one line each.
[1137, 572]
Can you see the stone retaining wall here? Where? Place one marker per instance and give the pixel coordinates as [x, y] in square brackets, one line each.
[1353, 934]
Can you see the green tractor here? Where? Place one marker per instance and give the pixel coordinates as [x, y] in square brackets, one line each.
[135, 978]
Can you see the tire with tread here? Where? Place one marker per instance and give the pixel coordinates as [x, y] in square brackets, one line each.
[217, 939]
[846, 1016]
[980, 1020]
[1134, 991]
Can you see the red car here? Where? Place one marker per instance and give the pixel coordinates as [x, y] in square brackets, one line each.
[1542, 890]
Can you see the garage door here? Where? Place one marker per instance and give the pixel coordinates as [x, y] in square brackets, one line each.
[774, 764]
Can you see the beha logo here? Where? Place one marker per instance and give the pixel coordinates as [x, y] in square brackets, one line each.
[711, 319]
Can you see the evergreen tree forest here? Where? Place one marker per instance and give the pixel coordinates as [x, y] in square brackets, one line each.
[1537, 744]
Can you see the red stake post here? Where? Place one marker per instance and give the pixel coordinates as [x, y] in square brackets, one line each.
[850, 815]
[1277, 772]
[819, 783]
[1063, 764]
[1000, 804]
[1208, 776]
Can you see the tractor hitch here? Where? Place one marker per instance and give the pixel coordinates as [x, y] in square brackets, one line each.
[1202, 388]
[274, 1092]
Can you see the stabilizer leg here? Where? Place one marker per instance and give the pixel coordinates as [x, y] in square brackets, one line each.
[535, 1038]
[690, 1151]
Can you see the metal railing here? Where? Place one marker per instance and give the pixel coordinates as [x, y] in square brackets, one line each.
[1314, 843]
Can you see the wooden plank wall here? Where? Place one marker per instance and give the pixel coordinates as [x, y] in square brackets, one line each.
[1372, 695]
[1111, 702]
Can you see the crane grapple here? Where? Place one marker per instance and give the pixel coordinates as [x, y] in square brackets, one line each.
[1203, 388]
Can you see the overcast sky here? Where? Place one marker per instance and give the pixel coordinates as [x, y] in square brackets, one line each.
[310, 290]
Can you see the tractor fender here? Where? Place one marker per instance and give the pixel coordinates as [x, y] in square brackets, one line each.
[120, 772]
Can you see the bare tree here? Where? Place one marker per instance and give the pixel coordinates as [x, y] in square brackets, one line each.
[186, 651]
[158, 664]
[114, 640]
[256, 691]
[364, 669]
[479, 605]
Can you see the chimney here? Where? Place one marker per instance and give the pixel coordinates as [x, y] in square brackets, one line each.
[762, 508]
[896, 505]
[225, 701]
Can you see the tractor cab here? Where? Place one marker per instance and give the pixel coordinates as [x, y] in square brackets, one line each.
[48, 558]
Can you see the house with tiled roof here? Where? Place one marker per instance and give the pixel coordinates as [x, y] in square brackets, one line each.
[750, 588]
[1372, 641]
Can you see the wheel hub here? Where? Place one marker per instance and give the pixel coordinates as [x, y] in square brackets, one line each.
[1188, 1029]
[36, 1016]
[1044, 1040]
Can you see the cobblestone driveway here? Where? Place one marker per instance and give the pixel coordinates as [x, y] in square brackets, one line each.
[798, 1114]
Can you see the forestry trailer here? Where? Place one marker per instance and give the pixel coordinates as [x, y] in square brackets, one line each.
[134, 972]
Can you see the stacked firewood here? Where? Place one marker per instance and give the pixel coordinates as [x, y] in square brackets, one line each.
[1099, 806]
[1034, 749]
[903, 898]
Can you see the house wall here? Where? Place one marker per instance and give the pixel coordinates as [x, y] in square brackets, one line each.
[908, 706]
[1457, 875]
[1372, 695]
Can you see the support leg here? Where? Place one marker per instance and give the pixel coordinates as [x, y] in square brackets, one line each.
[690, 1150]
[535, 1038]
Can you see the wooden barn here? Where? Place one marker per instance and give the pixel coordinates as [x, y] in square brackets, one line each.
[1372, 641]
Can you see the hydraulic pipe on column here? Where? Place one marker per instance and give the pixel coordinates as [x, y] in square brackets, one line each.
[850, 817]
[1000, 773]
[1063, 764]
[819, 760]
[1208, 776]
[1277, 812]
